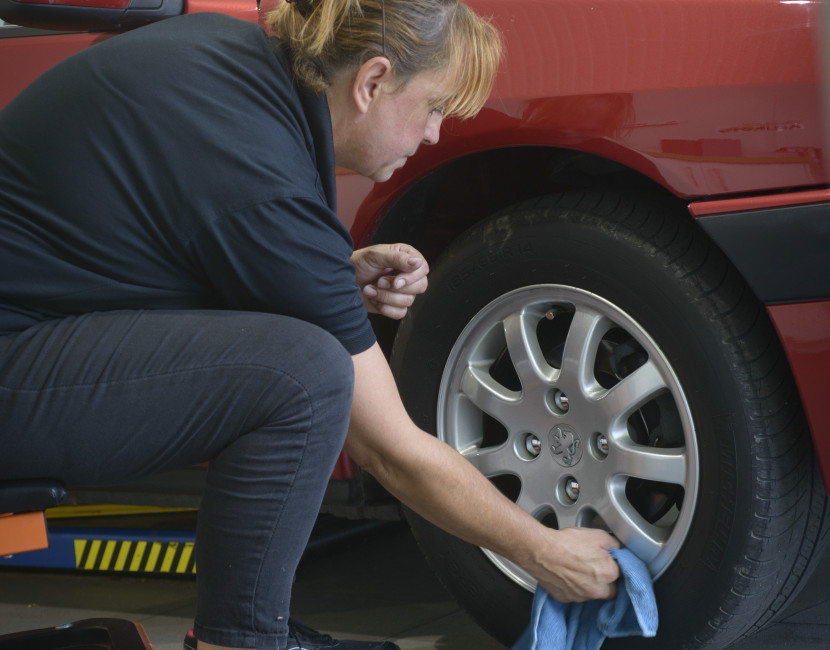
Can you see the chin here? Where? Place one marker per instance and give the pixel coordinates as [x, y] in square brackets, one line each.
[385, 173]
[382, 175]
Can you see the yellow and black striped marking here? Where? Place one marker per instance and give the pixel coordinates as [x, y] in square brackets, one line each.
[135, 556]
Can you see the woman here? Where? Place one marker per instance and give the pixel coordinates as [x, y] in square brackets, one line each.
[176, 288]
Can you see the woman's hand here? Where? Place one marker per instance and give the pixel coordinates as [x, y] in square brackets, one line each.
[389, 277]
[576, 565]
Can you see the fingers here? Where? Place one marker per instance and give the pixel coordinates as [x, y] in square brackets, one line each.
[390, 303]
[611, 542]
[410, 274]
[398, 265]
[411, 283]
[585, 569]
[390, 276]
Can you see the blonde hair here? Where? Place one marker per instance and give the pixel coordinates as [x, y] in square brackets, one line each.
[324, 37]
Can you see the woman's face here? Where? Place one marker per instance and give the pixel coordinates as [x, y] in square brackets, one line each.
[396, 124]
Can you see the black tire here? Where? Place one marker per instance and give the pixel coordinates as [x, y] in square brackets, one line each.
[743, 527]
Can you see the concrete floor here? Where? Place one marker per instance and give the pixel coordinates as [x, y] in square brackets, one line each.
[374, 585]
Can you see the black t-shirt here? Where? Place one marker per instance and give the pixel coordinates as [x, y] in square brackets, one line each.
[174, 167]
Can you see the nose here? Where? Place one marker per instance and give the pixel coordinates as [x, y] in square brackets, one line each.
[433, 130]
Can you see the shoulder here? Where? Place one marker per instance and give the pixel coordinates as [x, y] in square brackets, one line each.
[203, 23]
[189, 34]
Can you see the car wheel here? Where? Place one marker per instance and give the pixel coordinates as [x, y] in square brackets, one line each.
[604, 365]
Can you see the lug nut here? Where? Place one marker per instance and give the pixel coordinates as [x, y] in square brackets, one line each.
[533, 445]
[561, 401]
[602, 445]
[572, 489]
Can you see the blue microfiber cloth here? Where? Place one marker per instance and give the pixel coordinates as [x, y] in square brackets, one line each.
[584, 626]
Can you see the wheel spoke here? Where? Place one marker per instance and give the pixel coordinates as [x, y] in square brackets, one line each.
[651, 463]
[644, 539]
[534, 497]
[493, 461]
[525, 351]
[567, 517]
[631, 393]
[584, 335]
[488, 394]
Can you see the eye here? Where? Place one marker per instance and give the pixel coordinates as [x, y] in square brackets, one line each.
[438, 109]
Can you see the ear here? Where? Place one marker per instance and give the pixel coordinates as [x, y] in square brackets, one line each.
[368, 81]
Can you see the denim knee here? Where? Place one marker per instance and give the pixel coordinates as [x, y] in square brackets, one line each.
[322, 366]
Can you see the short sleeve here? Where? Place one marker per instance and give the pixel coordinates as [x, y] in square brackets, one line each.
[288, 256]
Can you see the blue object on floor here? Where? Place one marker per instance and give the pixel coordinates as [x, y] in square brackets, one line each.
[584, 626]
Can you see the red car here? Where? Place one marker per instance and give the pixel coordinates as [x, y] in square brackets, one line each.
[628, 320]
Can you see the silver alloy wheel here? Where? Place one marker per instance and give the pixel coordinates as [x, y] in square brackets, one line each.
[592, 426]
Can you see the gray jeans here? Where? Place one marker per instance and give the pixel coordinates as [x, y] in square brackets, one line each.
[108, 397]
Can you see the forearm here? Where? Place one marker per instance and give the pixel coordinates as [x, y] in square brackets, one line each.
[440, 485]
[436, 482]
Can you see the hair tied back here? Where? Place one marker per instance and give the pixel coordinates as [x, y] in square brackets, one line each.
[303, 6]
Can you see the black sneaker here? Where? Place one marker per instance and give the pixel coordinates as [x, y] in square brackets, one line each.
[302, 637]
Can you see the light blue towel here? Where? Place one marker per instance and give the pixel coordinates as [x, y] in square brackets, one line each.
[584, 626]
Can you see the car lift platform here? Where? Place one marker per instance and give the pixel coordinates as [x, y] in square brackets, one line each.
[115, 539]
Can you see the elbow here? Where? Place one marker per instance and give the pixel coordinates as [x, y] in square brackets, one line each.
[369, 460]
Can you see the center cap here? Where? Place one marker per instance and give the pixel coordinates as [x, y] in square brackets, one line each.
[565, 445]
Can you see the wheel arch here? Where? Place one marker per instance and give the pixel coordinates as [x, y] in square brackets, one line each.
[432, 212]
[486, 181]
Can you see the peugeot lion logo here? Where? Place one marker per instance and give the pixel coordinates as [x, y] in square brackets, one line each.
[565, 445]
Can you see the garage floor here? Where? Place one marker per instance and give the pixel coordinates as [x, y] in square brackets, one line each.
[369, 585]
